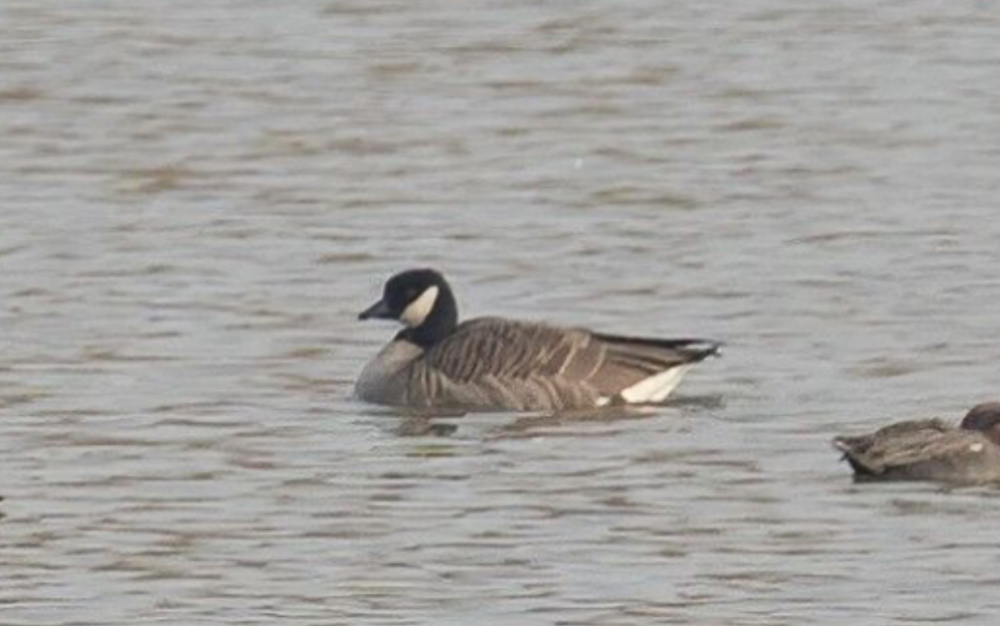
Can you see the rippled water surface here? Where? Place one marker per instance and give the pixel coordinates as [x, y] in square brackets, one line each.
[198, 198]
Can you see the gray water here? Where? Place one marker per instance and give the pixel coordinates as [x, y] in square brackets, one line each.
[198, 198]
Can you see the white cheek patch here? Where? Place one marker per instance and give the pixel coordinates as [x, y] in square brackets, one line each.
[417, 311]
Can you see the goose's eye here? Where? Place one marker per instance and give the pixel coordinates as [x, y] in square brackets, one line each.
[411, 293]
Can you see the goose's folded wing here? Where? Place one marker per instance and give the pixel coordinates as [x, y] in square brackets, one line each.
[510, 350]
[628, 360]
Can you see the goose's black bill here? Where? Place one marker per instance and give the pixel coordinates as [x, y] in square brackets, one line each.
[379, 310]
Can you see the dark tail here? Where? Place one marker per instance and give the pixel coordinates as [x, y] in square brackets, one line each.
[694, 349]
[850, 447]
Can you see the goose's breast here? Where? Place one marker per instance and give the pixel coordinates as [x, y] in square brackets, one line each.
[383, 380]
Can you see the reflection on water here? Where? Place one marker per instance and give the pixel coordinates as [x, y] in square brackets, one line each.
[198, 199]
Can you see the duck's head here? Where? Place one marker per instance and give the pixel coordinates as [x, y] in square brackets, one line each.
[985, 418]
[421, 300]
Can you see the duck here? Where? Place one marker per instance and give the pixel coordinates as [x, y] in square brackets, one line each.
[929, 449]
[499, 364]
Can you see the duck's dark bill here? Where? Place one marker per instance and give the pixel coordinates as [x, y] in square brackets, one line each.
[379, 310]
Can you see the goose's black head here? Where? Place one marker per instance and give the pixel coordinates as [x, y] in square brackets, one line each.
[985, 418]
[421, 300]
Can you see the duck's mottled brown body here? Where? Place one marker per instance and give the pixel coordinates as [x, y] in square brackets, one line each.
[930, 449]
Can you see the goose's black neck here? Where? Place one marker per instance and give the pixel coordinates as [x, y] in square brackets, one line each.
[439, 323]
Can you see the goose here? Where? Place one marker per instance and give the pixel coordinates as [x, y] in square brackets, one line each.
[492, 363]
[930, 449]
